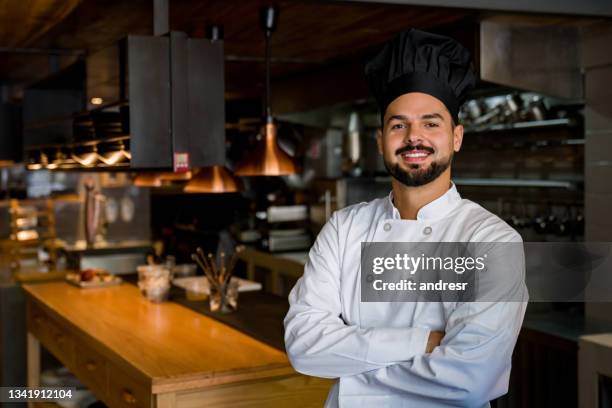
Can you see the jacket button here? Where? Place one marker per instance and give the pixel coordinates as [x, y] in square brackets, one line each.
[427, 230]
[387, 227]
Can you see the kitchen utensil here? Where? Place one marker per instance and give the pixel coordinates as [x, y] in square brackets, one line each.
[94, 211]
[353, 145]
[513, 105]
[536, 109]
[223, 293]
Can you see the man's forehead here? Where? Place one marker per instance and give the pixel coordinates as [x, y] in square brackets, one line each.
[416, 105]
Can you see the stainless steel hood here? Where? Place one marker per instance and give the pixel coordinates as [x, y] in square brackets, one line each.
[531, 55]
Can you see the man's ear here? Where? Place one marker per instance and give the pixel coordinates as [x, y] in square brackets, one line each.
[379, 140]
[457, 137]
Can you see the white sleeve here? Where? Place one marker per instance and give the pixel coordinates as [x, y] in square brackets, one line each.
[318, 341]
[472, 364]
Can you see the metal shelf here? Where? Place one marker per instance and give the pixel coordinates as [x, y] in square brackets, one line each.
[497, 182]
[501, 182]
[521, 125]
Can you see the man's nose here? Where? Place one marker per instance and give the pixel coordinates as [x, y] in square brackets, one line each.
[413, 135]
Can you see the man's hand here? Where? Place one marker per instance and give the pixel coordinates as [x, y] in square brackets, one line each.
[435, 337]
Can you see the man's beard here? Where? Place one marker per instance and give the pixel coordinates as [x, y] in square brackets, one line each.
[418, 177]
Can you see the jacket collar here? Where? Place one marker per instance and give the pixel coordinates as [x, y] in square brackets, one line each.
[436, 209]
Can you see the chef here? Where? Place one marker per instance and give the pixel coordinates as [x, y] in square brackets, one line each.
[407, 354]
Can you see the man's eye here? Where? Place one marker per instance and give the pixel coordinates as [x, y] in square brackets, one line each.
[431, 125]
[397, 126]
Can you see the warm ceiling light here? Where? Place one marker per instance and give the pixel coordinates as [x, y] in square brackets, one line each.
[213, 179]
[96, 101]
[113, 157]
[172, 176]
[27, 235]
[159, 179]
[267, 159]
[88, 159]
[68, 163]
[34, 160]
[58, 159]
[147, 180]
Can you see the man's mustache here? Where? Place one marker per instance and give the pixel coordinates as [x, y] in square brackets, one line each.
[408, 148]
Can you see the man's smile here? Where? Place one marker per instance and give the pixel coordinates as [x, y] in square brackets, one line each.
[415, 154]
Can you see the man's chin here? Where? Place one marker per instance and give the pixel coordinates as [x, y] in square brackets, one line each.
[416, 175]
[415, 168]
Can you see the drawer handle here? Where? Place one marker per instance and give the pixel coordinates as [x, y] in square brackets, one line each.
[38, 319]
[128, 397]
[91, 365]
[60, 338]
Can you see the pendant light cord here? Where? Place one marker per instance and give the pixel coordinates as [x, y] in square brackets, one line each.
[268, 112]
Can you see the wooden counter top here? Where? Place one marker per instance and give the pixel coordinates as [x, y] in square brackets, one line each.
[169, 346]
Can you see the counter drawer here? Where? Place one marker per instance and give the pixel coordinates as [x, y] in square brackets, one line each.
[91, 368]
[125, 391]
[51, 334]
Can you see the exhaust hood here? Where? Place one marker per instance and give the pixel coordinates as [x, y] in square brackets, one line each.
[531, 55]
[173, 87]
[153, 103]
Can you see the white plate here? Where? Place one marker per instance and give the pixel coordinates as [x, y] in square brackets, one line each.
[199, 284]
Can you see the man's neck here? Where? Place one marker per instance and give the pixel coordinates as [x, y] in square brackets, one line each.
[409, 200]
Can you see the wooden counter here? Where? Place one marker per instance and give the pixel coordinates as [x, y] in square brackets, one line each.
[131, 352]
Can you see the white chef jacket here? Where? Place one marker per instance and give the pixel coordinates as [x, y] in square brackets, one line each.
[377, 349]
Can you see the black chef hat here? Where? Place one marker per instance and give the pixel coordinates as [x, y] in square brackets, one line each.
[417, 61]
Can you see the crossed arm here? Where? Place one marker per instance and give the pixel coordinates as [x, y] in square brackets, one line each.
[476, 346]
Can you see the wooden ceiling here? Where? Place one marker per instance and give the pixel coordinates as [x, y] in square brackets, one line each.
[310, 34]
[24, 22]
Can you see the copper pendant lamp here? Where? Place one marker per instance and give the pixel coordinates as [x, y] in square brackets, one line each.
[160, 179]
[147, 180]
[213, 179]
[268, 159]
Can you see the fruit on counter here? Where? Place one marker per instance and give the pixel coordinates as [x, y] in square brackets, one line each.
[92, 275]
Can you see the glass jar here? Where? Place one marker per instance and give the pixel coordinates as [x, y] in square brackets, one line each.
[224, 298]
[154, 282]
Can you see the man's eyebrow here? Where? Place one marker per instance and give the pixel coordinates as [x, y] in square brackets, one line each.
[426, 116]
[397, 117]
[432, 116]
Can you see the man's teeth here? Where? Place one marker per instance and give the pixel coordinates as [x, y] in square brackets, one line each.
[416, 154]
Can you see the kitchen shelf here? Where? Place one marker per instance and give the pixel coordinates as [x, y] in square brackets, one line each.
[92, 142]
[498, 182]
[502, 182]
[537, 124]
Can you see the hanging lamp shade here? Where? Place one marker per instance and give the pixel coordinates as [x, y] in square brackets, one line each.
[170, 176]
[213, 179]
[147, 180]
[160, 179]
[267, 159]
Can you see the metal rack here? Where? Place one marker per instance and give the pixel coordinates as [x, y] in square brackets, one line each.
[25, 236]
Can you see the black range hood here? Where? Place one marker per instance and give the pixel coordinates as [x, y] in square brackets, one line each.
[173, 87]
[158, 99]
